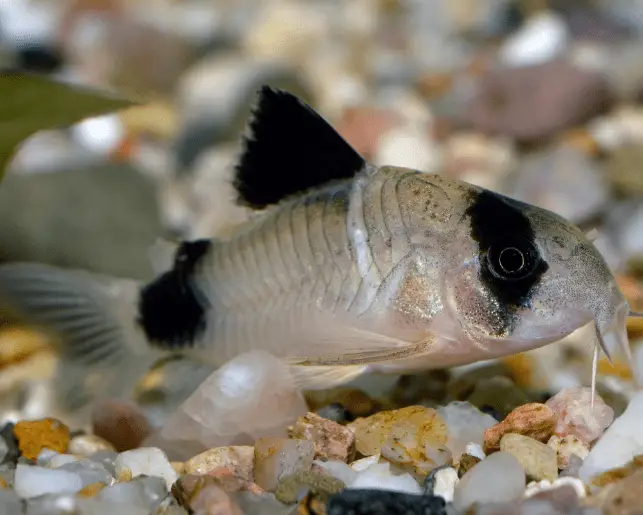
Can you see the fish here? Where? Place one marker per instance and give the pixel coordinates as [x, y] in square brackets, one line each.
[344, 268]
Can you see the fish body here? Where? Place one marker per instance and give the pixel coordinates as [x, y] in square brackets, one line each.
[391, 264]
[345, 267]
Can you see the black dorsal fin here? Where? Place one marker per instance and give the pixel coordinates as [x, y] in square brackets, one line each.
[290, 149]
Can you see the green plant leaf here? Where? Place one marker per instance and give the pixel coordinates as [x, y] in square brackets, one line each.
[31, 103]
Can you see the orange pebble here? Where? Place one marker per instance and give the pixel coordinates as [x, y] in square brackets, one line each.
[35, 435]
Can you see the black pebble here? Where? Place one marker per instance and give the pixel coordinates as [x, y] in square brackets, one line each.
[382, 502]
[6, 433]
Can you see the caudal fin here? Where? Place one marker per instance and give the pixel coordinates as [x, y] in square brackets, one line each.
[91, 319]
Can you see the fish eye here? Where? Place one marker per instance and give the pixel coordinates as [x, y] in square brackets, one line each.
[512, 260]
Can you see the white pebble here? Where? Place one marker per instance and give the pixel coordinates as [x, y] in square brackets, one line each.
[149, 461]
[381, 477]
[536, 487]
[86, 445]
[619, 444]
[44, 456]
[497, 478]
[466, 423]
[339, 470]
[364, 463]
[445, 481]
[542, 38]
[32, 481]
[61, 459]
[475, 450]
[100, 134]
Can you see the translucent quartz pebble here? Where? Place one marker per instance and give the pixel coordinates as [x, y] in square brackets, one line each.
[89, 472]
[251, 396]
[497, 478]
[106, 459]
[381, 477]
[573, 406]
[145, 492]
[68, 504]
[466, 424]
[32, 481]
[9, 502]
[147, 461]
[338, 469]
[620, 443]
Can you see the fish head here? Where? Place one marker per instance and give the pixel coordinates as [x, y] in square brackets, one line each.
[522, 277]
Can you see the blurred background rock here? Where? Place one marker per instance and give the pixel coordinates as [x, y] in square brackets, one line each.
[538, 99]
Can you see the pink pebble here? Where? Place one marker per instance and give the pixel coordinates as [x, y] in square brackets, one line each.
[573, 406]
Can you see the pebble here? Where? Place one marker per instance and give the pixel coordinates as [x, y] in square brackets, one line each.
[561, 500]
[566, 446]
[332, 440]
[213, 500]
[86, 445]
[534, 103]
[475, 449]
[251, 396]
[4, 450]
[92, 489]
[622, 127]
[534, 420]
[121, 423]
[481, 483]
[364, 463]
[622, 169]
[56, 460]
[467, 461]
[89, 471]
[575, 416]
[335, 412]
[543, 37]
[537, 458]
[32, 481]
[409, 146]
[9, 439]
[144, 492]
[187, 486]
[338, 469]
[498, 393]
[379, 502]
[562, 179]
[573, 467]
[239, 459]
[149, 461]
[356, 402]
[622, 441]
[10, 503]
[264, 504]
[35, 435]
[544, 485]
[362, 127]
[445, 481]
[415, 388]
[624, 497]
[277, 457]
[410, 445]
[466, 425]
[381, 477]
[320, 484]
[372, 432]
[107, 459]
